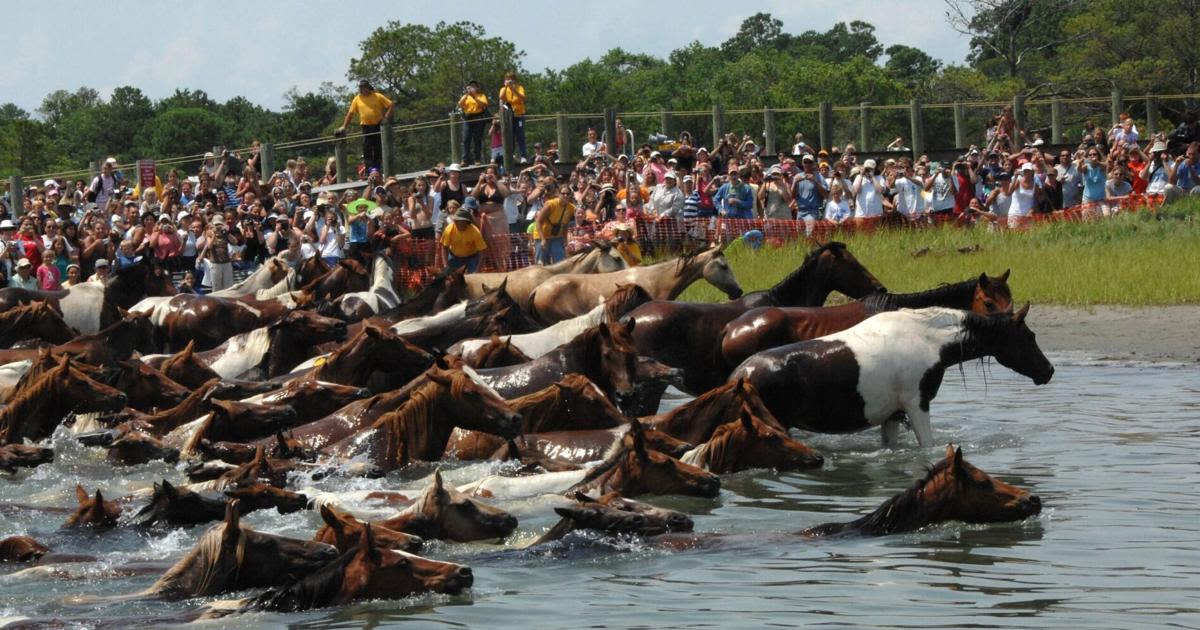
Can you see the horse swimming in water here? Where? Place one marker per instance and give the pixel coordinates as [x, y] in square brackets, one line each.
[889, 366]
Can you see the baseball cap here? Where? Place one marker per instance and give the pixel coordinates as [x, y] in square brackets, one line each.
[102, 262]
[471, 203]
[24, 262]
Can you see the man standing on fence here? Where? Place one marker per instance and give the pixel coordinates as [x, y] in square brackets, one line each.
[512, 100]
[474, 106]
[373, 109]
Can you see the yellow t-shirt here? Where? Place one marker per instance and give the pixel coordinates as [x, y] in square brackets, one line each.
[515, 99]
[370, 108]
[558, 215]
[472, 104]
[463, 243]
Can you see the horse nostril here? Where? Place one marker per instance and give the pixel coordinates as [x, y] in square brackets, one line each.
[678, 521]
[464, 572]
[818, 461]
[1033, 503]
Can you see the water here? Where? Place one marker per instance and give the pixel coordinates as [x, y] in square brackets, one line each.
[1110, 448]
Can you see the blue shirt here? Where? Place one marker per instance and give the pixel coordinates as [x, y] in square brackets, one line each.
[358, 231]
[691, 205]
[735, 204]
[808, 200]
[1185, 176]
[1093, 183]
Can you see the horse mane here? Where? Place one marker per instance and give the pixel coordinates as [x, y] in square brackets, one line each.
[806, 267]
[206, 553]
[312, 591]
[905, 511]
[937, 296]
[17, 315]
[405, 426]
[626, 298]
[715, 449]
[25, 398]
[494, 347]
[686, 258]
[612, 458]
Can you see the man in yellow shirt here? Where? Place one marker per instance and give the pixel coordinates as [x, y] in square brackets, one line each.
[373, 109]
[462, 242]
[512, 98]
[474, 106]
[552, 222]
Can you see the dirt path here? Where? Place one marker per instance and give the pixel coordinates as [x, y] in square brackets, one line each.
[1160, 333]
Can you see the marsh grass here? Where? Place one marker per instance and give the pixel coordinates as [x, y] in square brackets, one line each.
[1138, 259]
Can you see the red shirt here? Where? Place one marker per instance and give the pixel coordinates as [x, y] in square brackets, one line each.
[30, 249]
[963, 193]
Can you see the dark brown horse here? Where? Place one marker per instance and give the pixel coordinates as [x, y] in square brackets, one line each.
[687, 336]
[343, 531]
[346, 276]
[496, 353]
[444, 513]
[37, 320]
[93, 511]
[272, 350]
[137, 447]
[116, 342]
[568, 450]
[186, 368]
[634, 469]
[21, 549]
[696, 420]
[368, 572]
[763, 328]
[748, 442]
[171, 505]
[612, 513]
[374, 356]
[445, 290]
[14, 456]
[311, 399]
[284, 447]
[146, 387]
[953, 490]
[207, 320]
[240, 422]
[312, 268]
[231, 557]
[36, 410]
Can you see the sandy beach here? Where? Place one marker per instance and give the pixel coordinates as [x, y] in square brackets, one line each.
[1159, 333]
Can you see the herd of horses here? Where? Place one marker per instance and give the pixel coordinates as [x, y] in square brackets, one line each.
[301, 374]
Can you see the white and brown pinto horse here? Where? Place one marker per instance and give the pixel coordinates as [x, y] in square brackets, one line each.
[888, 367]
[571, 295]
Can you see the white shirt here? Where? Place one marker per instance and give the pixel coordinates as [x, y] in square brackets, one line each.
[909, 200]
[1022, 200]
[591, 147]
[869, 200]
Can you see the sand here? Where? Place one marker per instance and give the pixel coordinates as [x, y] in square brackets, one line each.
[1159, 333]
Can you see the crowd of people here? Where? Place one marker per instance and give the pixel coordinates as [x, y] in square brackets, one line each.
[229, 216]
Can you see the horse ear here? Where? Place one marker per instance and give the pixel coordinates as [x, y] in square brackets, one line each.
[330, 518]
[366, 545]
[949, 451]
[639, 438]
[1019, 316]
[81, 495]
[232, 521]
[438, 485]
[630, 324]
[171, 491]
[1004, 276]
[281, 443]
[582, 497]
[747, 419]
[958, 459]
[439, 376]
[721, 247]
[603, 329]
[984, 280]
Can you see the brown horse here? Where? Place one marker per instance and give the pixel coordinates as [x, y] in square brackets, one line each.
[186, 368]
[420, 428]
[284, 447]
[696, 420]
[36, 410]
[572, 403]
[312, 268]
[568, 450]
[311, 399]
[343, 531]
[137, 447]
[368, 572]
[751, 443]
[38, 320]
[374, 356]
[687, 336]
[571, 295]
[346, 276]
[14, 456]
[116, 342]
[232, 557]
[93, 511]
[763, 328]
[496, 353]
[446, 289]
[953, 490]
[21, 549]
[145, 386]
[612, 513]
[238, 422]
[176, 506]
[207, 320]
[444, 513]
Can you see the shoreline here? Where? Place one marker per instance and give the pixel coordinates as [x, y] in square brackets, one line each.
[1149, 333]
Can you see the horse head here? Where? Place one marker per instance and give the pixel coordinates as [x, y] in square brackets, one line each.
[751, 443]
[1014, 345]
[992, 295]
[145, 384]
[49, 323]
[255, 495]
[583, 401]
[309, 327]
[241, 422]
[379, 573]
[14, 456]
[474, 405]
[138, 447]
[93, 511]
[957, 490]
[657, 518]
[443, 512]
[89, 395]
[343, 531]
[845, 273]
[178, 506]
[21, 549]
[636, 469]
[613, 347]
[259, 559]
[185, 368]
[717, 272]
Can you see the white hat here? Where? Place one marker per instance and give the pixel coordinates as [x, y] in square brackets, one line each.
[7, 224]
[869, 164]
[113, 160]
[1158, 147]
[49, 183]
[218, 219]
[454, 168]
[24, 262]
[671, 175]
[1028, 167]
[209, 154]
[101, 262]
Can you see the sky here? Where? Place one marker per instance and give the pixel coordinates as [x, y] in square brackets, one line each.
[162, 45]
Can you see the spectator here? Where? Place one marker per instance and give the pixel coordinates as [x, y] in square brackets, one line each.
[372, 108]
[799, 147]
[474, 106]
[1070, 180]
[734, 199]
[1184, 174]
[775, 196]
[420, 208]
[1024, 193]
[552, 222]
[60, 256]
[667, 199]
[101, 271]
[897, 144]
[868, 190]
[461, 241]
[73, 276]
[593, 146]
[909, 201]
[105, 185]
[1094, 169]
[809, 190]
[215, 257]
[1157, 172]
[512, 102]
[22, 277]
[837, 209]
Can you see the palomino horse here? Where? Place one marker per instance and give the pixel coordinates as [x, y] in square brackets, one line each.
[35, 411]
[768, 327]
[368, 572]
[93, 511]
[953, 490]
[231, 557]
[272, 271]
[623, 300]
[631, 469]
[751, 443]
[379, 297]
[599, 258]
[604, 354]
[343, 530]
[572, 403]
[14, 456]
[687, 335]
[420, 428]
[445, 290]
[570, 295]
[864, 377]
[37, 320]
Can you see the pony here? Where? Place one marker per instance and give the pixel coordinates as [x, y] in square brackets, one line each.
[612, 513]
[448, 287]
[177, 506]
[889, 366]
[21, 549]
[600, 257]
[496, 353]
[37, 320]
[377, 298]
[35, 411]
[343, 531]
[696, 420]
[952, 490]
[271, 272]
[14, 456]
[347, 276]
[570, 295]
[373, 356]
[93, 511]
[751, 443]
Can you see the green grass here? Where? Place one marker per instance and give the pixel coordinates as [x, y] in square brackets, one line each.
[1136, 260]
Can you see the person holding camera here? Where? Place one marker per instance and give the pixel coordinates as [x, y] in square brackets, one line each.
[372, 109]
[733, 197]
[512, 101]
[552, 223]
[1184, 173]
[868, 190]
[474, 106]
[809, 190]
[461, 241]
[215, 257]
[329, 234]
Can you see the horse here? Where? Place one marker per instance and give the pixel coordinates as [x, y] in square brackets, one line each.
[36, 410]
[557, 451]
[886, 367]
[379, 297]
[37, 320]
[272, 271]
[347, 276]
[14, 456]
[146, 387]
[310, 269]
[373, 356]
[284, 447]
[496, 352]
[444, 513]
[176, 506]
[12, 297]
[687, 335]
[420, 428]
[310, 399]
[449, 287]
[572, 403]
[21, 549]
[452, 324]
[232, 421]
[600, 257]
[751, 443]
[612, 513]
[768, 327]
[93, 511]
[604, 354]
[343, 531]
[232, 557]
[91, 306]
[368, 572]
[696, 420]
[570, 295]
[207, 320]
[116, 341]
[623, 300]
[952, 490]
[136, 447]
[631, 469]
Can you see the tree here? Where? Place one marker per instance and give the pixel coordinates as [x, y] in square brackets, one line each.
[60, 103]
[911, 65]
[120, 120]
[1017, 33]
[841, 43]
[757, 31]
[248, 122]
[186, 98]
[183, 131]
[10, 112]
[310, 114]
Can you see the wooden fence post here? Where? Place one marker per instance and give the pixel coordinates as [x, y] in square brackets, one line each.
[864, 126]
[1118, 105]
[960, 125]
[339, 158]
[769, 132]
[1056, 121]
[266, 161]
[664, 121]
[610, 129]
[718, 115]
[917, 124]
[455, 139]
[16, 196]
[825, 123]
[506, 139]
[1019, 113]
[385, 153]
[564, 138]
[1152, 121]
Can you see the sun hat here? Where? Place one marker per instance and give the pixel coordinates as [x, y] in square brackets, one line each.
[49, 183]
[1158, 147]
[1028, 167]
[207, 154]
[471, 203]
[24, 262]
[454, 168]
[462, 214]
[869, 164]
[7, 224]
[807, 157]
[671, 175]
[72, 266]
[218, 219]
